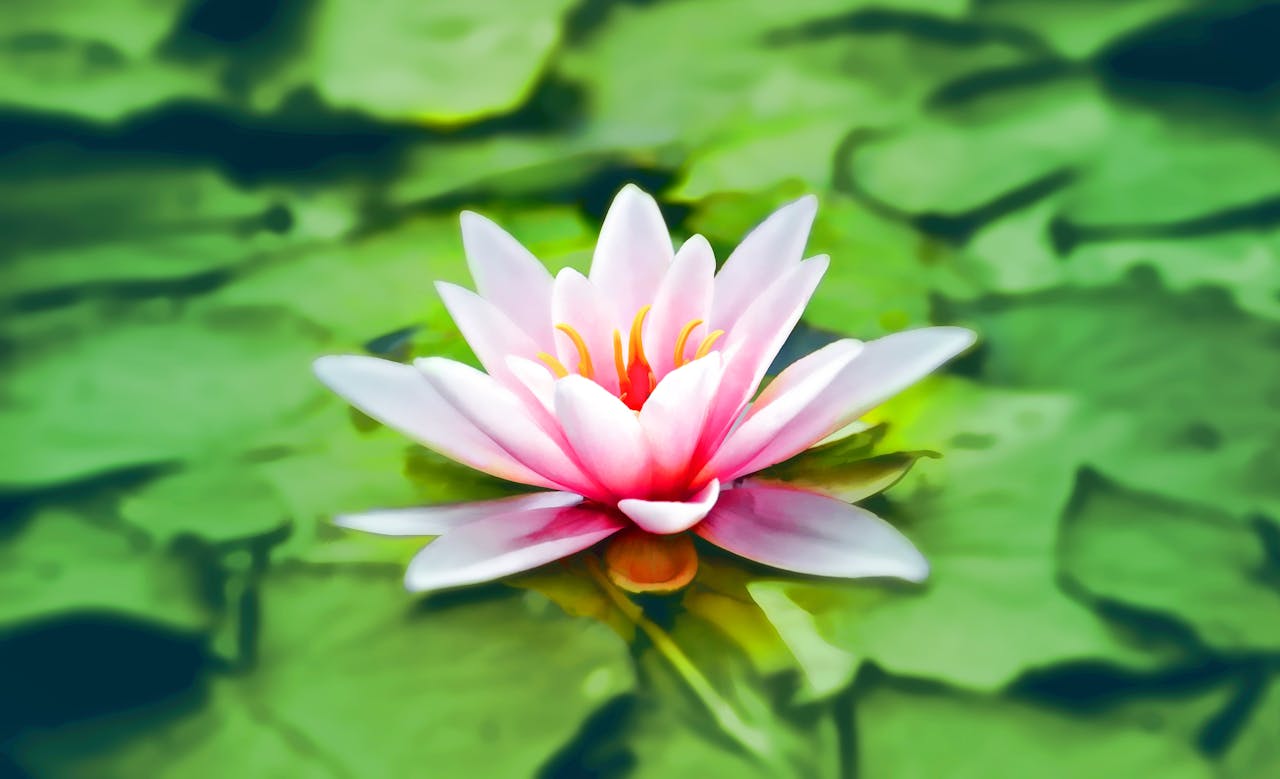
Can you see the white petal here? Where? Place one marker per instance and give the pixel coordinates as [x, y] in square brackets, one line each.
[509, 276]
[496, 411]
[501, 544]
[537, 379]
[489, 332]
[576, 302]
[885, 367]
[667, 516]
[605, 434]
[632, 254]
[401, 398]
[809, 533]
[437, 520]
[684, 296]
[774, 246]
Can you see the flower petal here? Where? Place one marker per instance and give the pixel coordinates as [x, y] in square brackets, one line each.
[576, 302]
[885, 367]
[401, 398]
[537, 380]
[782, 403]
[809, 533]
[496, 411]
[606, 436]
[673, 416]
[632, 254]
[670, 516]
[773, 246]
[756, 339]
[684, 295]
[509, 276]
[489, 332]
[437, 520]
[504, 543]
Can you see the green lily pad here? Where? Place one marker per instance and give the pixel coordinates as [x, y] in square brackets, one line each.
[908, 735]
[985, 516]
[438, 63]
[1204, 567]
[64, 561]
[1255, 751]
[1080, 28]
[216, 502]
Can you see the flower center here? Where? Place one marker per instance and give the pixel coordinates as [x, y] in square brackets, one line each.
[636, 378]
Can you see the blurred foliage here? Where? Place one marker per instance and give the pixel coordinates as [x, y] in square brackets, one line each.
[203, 195]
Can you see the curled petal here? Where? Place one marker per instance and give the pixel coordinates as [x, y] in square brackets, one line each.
[809, 533]
[669, 516]
[632, 254]
[400, 397]
[437, 520]
[504, 543]
[509, 276]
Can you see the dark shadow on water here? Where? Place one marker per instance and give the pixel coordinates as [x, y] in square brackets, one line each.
[596, 751]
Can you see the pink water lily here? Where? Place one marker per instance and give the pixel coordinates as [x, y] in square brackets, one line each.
[631, 395]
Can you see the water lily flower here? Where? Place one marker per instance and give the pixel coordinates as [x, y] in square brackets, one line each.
[630, 396]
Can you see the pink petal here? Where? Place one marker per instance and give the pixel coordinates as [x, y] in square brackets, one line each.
[503, 543]
[436, 520]
[773, 246]
[809, 533]
[606, 436]
[755, 341]
[509, 276]
[499, 414]
[785, 399]
[808, 413]
[668, 516]
[401, 398]
[576, 302]
[490, 333]
[673, 416]
[537, 380]
[632, 254]
[684, 295]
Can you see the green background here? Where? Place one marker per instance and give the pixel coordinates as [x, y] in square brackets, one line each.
[198, 197]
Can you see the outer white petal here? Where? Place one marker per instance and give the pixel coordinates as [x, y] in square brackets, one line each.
[668, 516]
[496, 411]
[605, 434]
[400, 397]
[501, 544]
[773, 246]
[437, 520]
[809, 533]
[885, 367]
[509, 276]
[632, 254]
[539, 381]
[488, 331]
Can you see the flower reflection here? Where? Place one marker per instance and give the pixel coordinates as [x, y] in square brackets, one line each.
[631, 395]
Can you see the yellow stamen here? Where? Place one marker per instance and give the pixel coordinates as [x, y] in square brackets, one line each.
[619, 364]
[555, 365]
[683, 339]
[637, 330]
[707, 343]
[584, 357]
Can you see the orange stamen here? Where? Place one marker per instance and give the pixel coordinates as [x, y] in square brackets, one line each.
[683, 339]
[707, 343]
[555, 365]
[584, 357]
[619, 364]
[637, 331]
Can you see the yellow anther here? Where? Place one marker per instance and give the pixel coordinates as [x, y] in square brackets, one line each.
[555, 365]
[706, 344]
[637, 332]
[584, 357]
[683, 339]
[619, 363]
